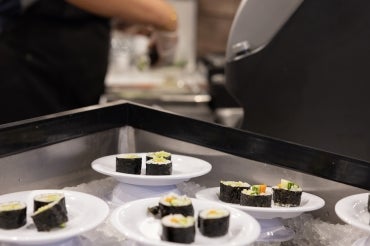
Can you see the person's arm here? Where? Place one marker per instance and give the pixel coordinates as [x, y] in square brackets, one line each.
[157, 13]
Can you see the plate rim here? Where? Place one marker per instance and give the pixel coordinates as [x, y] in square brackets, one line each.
[49, 238]
[344, 216]
[151, 179]
[270, 210]
[114, 219]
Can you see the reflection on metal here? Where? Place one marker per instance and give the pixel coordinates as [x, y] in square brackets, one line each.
[58, 165]
[257, 21]
[231, 117]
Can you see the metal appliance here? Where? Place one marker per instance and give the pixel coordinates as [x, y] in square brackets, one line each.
[300, 72]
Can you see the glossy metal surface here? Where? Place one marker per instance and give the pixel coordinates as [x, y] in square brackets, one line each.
[229, 167]
[56, 151]
[47, 131]
[57, 165]
[256, 23]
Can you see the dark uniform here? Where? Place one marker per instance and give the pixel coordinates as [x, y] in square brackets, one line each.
[53, 57]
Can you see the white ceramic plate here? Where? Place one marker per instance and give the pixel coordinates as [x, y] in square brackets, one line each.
[183, 169]
[353, 211]
[309, 202]
[85, 212]
[133, 220]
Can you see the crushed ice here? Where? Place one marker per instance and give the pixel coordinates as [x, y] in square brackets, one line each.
[309, 231]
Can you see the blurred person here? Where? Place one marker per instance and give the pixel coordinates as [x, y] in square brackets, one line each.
[54, 53]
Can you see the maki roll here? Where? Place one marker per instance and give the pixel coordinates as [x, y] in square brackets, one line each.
[158, 154]
[287, 194]
[175, 204]
[158, 166]
[50, 216]
[178, 228]
[256, 196]
[214, 222]
[230, 190]
[44, 199]
[128, 163]
[12, 215]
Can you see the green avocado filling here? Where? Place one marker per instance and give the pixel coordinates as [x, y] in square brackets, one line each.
[288, 185]
[162, 154]
[49, 197]
[129, 156]
[11, 206]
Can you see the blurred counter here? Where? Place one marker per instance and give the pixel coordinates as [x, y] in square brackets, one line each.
[171, 88]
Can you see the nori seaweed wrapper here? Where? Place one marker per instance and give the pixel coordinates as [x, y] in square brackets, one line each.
[286, 198]
[149, 156]
[51, 217]
[178, 234]
[154, 210]
[230, 194]
[255, 200]
[38, 203]
[13, 219]
[214, 227]
[159, 169]
[186, 210]
[128, 165]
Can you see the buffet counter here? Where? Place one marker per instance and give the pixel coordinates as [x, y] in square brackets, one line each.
[56, 152]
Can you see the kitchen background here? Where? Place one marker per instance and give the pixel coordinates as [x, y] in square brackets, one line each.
[214, 21]
[193, 85]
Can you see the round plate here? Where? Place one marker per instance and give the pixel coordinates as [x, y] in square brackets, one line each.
[85, 212]
[309, 202]
[133, 220]
[183, 169]
[353, 211]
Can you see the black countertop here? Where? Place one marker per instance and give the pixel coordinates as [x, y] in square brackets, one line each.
[34, 133]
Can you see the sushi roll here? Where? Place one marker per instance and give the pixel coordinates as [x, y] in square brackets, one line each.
[50, 216]
[178, 228]
[175, 204]
[158, 154]
[256, 196]
[12, 215]
[214, 222]
[230, 190]
[287, 194]
[128, 163]
[44, 199]
[158, 166]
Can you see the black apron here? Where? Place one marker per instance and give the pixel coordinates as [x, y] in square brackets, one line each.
[52, 58]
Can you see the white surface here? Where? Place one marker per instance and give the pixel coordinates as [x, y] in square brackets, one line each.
[309, 202]
[85, 212]
[135, 223]
[183, 169]
[353, 211]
